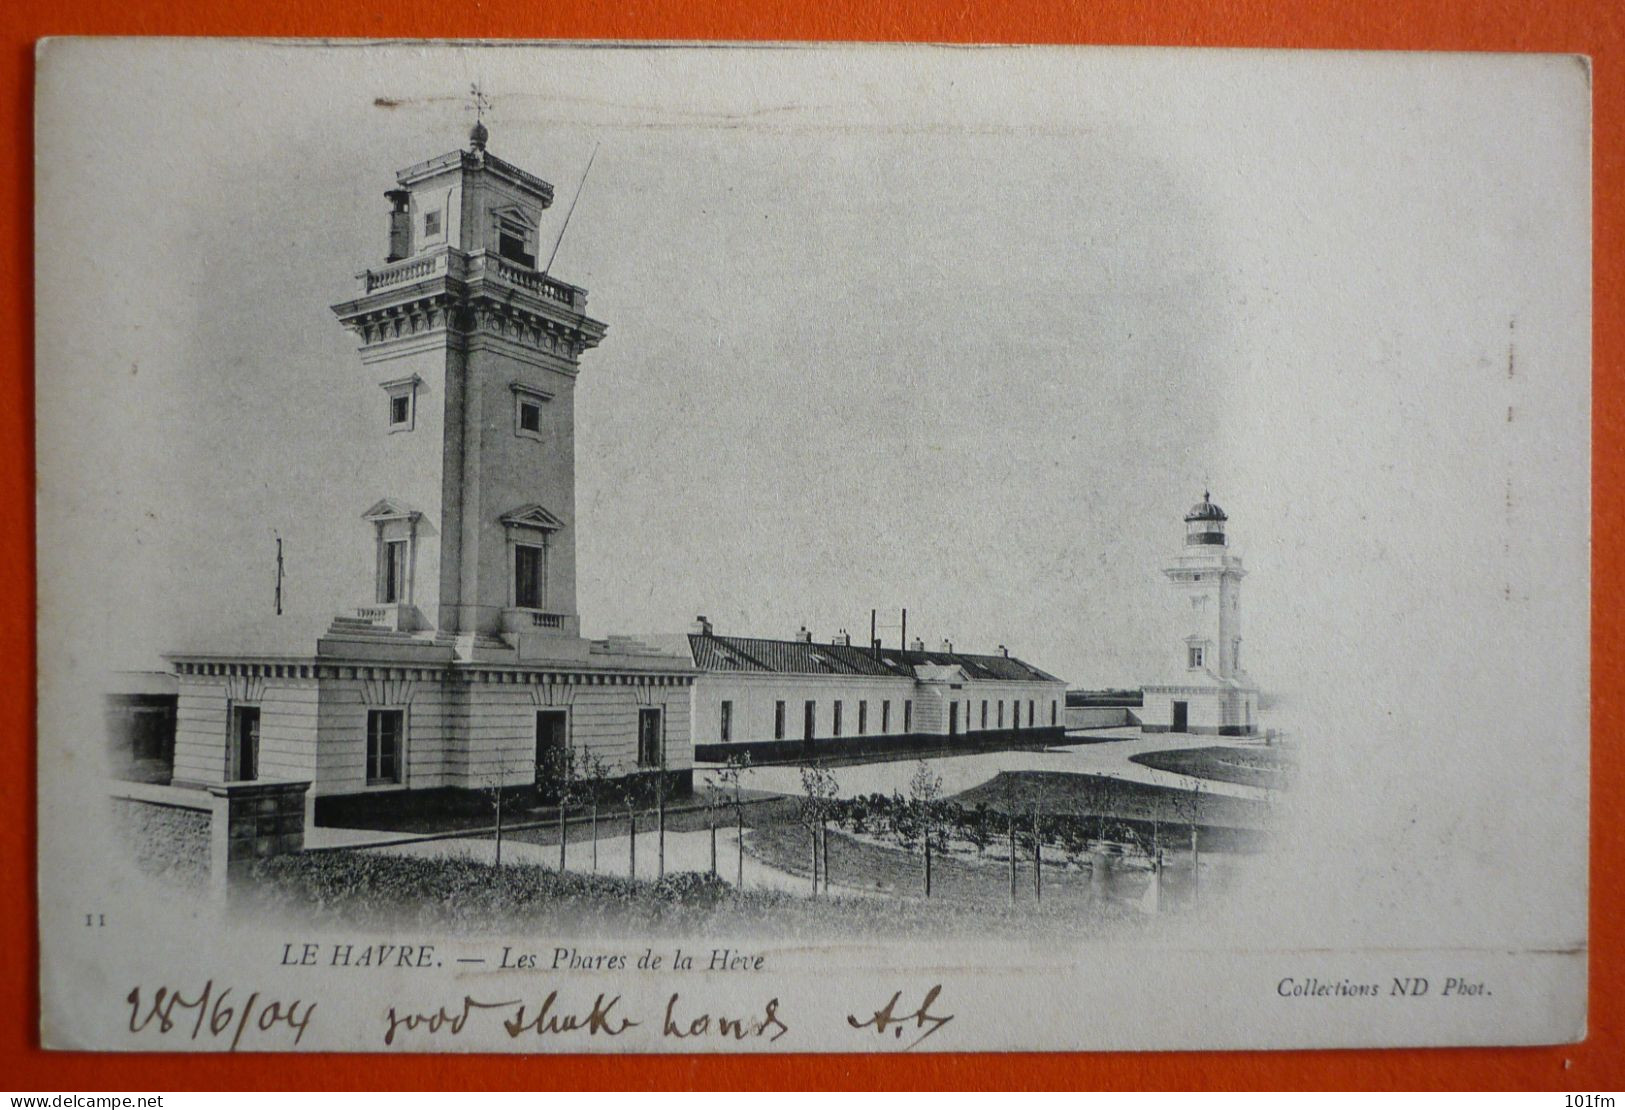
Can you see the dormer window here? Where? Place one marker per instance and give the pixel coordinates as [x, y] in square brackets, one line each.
[527, 409]
[402, 394]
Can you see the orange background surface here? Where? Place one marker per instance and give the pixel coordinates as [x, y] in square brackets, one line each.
[1592, 27]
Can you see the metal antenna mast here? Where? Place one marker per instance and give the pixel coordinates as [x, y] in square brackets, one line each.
[571, 211]
[278, 574]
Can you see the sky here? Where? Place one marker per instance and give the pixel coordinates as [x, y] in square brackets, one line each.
[962, 330]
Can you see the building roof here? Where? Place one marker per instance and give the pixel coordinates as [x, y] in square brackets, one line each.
[741, 653]
[1205, 509]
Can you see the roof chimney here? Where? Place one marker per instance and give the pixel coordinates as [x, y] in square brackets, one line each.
[916, 644]
[804, 637]
[702, 627]
[400, 224]
[948, 645]
[1004, 651]
[841, 639]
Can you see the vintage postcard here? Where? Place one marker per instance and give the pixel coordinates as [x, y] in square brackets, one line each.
[679, 548]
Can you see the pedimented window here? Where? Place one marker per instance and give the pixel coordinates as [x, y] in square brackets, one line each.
[529, 529]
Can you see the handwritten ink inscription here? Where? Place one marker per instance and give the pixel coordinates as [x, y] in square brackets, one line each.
[217, 1014]
[888, 1018]
[226, 1016]
[605, 1017]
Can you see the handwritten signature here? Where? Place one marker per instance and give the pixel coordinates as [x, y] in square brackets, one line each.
[216, 1014]
[888, 1018]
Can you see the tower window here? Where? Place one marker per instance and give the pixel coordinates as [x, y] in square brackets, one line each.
[1197, 656]
[394, 577]
[403, 394]
[513, 243]
[529, 576]
[527, 409]
[431, 224]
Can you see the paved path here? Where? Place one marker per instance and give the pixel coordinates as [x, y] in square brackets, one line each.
[329, 836]
[962, 772]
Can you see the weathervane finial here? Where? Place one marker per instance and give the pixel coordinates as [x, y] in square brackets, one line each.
[478, 134]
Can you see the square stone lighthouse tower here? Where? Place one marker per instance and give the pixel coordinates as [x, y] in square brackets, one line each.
[464, 666]
[474, 353]
[1208, 691]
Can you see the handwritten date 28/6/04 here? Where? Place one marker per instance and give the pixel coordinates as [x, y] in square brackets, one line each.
[887, 1018]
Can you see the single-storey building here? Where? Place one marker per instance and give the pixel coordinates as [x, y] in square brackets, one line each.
[796, 699]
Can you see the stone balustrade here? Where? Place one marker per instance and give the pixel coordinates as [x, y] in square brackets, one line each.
[477, 264]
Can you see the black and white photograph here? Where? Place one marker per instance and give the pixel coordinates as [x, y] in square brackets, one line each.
[682, 548]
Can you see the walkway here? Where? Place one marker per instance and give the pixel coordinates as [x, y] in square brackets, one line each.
[1108, 754]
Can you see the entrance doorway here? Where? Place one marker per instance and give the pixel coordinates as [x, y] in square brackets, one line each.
[1181, 716]
[245, 743]
[552, 740]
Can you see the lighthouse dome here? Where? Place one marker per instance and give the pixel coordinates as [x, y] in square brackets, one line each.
[1205, 509]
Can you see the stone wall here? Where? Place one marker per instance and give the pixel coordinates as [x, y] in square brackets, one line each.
[169, 842]
[205, 838]
[1099, 716]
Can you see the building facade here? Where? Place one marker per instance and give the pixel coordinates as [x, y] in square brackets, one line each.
[465, 667]
[1208, 691]
[795, 699]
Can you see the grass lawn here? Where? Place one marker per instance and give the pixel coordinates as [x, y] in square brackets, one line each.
[1271, 769]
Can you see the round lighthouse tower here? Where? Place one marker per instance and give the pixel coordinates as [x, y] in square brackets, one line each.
[1206, 690]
